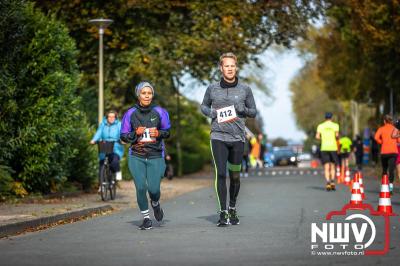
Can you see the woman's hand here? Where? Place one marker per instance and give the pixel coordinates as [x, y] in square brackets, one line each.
[154, 132]
[139, 131]
[92, 142]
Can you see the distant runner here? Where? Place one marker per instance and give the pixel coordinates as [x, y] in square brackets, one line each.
[389, 150]
[345, 149]
[328, 132]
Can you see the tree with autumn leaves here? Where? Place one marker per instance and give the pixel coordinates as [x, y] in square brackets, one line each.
[153, 40]
[353, 57]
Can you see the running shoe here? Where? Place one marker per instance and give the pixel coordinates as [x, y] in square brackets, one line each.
[391, 188]
[223, 219]
[333, 186]
[146, 225]
[233, 217]
[328, 187]
[158, 212]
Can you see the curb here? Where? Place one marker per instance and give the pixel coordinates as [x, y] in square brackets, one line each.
[14, 228]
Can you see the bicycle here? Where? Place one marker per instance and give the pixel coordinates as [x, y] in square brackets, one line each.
[108, 182]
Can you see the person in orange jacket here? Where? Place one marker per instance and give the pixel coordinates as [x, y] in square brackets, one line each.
[383, 136]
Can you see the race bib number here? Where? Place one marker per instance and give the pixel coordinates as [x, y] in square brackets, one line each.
[226, 114]
[146, 137]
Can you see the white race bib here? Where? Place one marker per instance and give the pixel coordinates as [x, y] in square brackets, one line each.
[146, 137]
[226, 114]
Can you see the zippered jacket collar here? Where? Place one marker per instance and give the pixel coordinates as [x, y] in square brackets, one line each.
[224, 84]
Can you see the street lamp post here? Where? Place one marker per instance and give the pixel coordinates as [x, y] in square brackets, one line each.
[101, 24]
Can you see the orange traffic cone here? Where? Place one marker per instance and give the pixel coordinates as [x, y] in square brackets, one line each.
[385, 205]
[361, 185]
[356, 198]
[347, 178]
[338, 174]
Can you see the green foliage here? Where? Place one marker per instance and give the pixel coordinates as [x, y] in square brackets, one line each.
[310, 101]
[358, 51]
[157, 40]
[194, 137]
[41, 124]
[6, 182]
[161, 40]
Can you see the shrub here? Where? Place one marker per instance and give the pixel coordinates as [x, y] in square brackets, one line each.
[42, 130]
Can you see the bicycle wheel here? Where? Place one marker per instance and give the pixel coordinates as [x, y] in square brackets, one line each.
[104, 182]
[112, 185]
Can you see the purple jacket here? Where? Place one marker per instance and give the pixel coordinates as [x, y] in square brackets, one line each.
[152, 116]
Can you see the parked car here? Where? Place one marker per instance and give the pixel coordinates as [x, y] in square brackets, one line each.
[284, 157]
[306, 160]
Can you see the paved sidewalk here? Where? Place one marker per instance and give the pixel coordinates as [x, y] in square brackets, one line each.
[39, 212]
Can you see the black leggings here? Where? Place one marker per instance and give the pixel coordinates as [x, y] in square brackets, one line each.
[388, 165]
[223, 153]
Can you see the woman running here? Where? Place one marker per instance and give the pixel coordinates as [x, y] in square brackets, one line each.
[389, 150]
[144, 127]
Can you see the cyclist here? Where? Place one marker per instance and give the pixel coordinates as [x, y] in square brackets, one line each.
[345, 144]
[328, 132]
[228, 102]
[383, 136]
[144, 127]
[109, 131]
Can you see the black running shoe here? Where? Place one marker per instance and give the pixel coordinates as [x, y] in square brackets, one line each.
[146, 225]
[223, 219]
[233, 217]
[158, 212]
[333, 187]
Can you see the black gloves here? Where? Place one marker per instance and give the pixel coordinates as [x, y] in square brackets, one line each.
[240, 108]
[213, 113]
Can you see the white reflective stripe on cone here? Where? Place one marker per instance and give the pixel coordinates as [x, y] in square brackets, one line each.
[356, 197]
[356, 185]
[384, 202]
[385, 188]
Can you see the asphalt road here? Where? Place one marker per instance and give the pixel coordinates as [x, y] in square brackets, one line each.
[276, 212]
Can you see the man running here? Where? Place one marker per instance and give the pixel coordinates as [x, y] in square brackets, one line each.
[345, 149]
[228, 102]
[328, 132]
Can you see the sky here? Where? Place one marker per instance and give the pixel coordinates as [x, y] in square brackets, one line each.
[280, 68]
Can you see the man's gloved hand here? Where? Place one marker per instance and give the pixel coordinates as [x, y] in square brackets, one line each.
[240, 108]
[213, 113]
